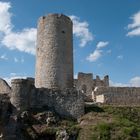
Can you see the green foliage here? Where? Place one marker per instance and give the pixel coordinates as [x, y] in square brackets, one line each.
[111, 123]
[73, 130]
[130, 113]
[67, 123]
[50, 130]
[104, 131]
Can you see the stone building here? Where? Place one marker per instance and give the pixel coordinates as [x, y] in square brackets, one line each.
[66, 102]
[54, 85]
[54, 52]
[54, 71]
[86, 83]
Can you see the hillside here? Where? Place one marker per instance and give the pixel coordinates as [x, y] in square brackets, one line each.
[110, 123]
[98, 123]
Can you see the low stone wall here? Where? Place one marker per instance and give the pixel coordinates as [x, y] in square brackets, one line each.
[119, 95]
[67, 103]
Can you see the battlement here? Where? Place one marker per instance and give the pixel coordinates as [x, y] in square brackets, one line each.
[55, 15]
[87, 83]
[82, 75]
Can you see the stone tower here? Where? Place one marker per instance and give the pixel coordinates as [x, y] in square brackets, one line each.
[54, 53]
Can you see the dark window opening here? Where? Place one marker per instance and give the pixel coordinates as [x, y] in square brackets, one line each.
[63, 31]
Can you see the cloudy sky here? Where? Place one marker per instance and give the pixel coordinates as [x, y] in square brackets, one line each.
[106, 37]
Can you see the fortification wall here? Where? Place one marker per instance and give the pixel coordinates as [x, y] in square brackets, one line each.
[118, 95]
[54, 53]
[22, 90]
[87, 84]
[101, 82]
[4, 87]
[67, 103]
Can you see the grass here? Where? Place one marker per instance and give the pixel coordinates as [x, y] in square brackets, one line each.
[110, 123]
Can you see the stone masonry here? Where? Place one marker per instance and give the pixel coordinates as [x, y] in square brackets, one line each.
[54, 52]
[87, 84]
[129, 96]
[67, 103]
[4, 87]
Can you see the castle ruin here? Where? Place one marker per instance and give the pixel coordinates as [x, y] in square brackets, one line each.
[54, 85]
[54, 52]
[86, 83]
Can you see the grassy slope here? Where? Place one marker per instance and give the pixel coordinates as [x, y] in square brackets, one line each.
[110, 123]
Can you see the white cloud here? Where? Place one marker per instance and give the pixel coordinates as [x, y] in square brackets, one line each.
[97, 53]
[5, 17]
[15, 60]
[120, 57]
[133, 82]
[22, 60]
[102, 44]
[134, 32]
[81, 30]
[136, 21]
[118, 84]
[75, 76]
[23, 41]
[135, 25]
[4, 57]
[13, 74]
[108, 51]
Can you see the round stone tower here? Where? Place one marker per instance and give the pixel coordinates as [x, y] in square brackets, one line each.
[54, 52]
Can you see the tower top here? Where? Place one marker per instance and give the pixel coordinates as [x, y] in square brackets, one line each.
[55, 15]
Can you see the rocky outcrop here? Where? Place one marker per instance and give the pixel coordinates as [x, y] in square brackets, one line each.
[4, 87]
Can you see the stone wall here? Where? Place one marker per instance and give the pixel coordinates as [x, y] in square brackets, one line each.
[101, 82]
[54, 53]
[4, 87]
[118, 95]
[67, 103]
[86, 83]
[22, 89]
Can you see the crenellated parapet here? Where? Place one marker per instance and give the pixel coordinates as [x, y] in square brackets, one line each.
[86, 83]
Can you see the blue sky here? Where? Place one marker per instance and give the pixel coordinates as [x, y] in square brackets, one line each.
[106, 37]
